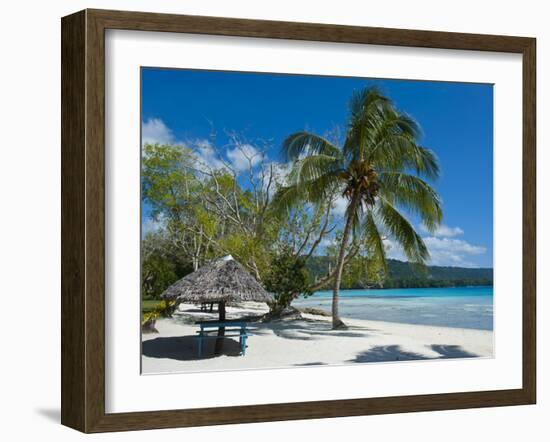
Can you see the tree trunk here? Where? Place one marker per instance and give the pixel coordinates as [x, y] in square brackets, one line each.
[256, 271]
[221, 330]
[336, 321]
[324, 282]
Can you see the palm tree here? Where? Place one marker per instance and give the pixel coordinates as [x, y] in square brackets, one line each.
[379, 169]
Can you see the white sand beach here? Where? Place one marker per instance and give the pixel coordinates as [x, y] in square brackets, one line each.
[306, 341]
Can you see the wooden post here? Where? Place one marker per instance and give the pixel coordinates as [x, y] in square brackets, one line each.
[221, 330]
[221, 310]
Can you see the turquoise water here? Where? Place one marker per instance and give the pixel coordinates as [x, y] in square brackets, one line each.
[464, 307]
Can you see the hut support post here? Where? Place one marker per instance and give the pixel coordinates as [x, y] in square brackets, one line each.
[221, 309]
[221, 330]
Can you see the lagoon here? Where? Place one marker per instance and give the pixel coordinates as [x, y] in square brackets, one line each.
[461, 307]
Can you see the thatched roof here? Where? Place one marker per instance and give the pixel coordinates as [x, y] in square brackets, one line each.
[221, 280]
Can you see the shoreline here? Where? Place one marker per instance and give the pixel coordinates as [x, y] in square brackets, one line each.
[348, 320]
[304, 341]
[459, 307]
[435, 287]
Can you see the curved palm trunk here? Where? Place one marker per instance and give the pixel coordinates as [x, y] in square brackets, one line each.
[336, 321]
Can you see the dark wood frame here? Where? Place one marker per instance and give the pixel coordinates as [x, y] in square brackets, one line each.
[83, 216]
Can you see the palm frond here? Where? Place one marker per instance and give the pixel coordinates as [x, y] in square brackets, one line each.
[392, 122]
[301, 144]
[374, 242]
[363, 100]
[366, 109]
[403, 232]
[316, 191]
[313, 167]
[424, 162]
[406, 125]
[355, 214]
[391, 152]
[413, 193]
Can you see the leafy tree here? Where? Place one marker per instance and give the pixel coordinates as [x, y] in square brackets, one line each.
[171, 187]
[167, 178]
[161, 265]
[208, 211]
[158, 273]
[288, 277]
[379, 168]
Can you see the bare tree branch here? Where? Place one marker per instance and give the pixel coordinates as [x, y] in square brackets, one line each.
[327, 279]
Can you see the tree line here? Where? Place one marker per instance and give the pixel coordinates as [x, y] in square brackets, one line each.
[404, 275]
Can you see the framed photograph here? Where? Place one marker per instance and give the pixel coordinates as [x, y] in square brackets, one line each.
[266, 221]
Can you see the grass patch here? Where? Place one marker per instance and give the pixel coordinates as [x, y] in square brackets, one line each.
[148, 305]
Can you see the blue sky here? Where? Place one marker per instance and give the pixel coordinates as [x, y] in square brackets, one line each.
[456, 120]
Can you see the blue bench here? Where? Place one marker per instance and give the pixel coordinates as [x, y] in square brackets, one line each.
[235, 328]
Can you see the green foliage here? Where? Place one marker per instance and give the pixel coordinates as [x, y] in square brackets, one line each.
[363, 273]
[372, 169]
[162, 264]
[158, 272]
[202, 215]
[378, 169]
[287, 279]
[378, 166]
[163, 309]
[148, 305]
[167, 178]
[175, 192]
[403, 275]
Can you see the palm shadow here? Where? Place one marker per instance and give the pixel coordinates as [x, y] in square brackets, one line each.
[452, 352]
[305, 330]
[388, 353]
[184, 348]
[310, 364]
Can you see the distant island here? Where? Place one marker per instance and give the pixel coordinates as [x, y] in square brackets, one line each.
[404, 275]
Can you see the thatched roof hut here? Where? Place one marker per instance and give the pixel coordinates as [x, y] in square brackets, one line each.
[221, 281]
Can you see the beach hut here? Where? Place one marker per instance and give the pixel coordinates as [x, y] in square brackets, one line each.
[221, 281]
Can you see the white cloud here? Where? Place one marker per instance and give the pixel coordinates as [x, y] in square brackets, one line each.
[446, 258]
[339, 206]
[155, 131]
[152, 225]
[443, 231]
[207, 156]
[281, 171]
[452, 252]
[393, 251]
[453, 245]
[243, 157]
[443, 251]
[273, 174]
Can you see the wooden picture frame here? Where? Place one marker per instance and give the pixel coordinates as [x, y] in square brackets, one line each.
[83, 220]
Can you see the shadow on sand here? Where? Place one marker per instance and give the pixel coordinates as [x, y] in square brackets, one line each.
[307, 330]
[310, 364]
[386, 353]
[184, 348]
[452, 352]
